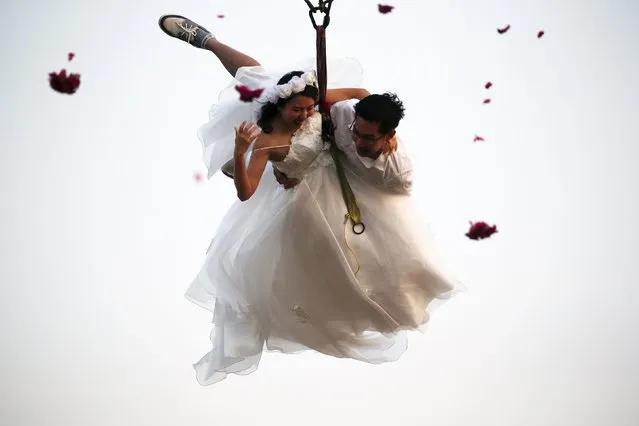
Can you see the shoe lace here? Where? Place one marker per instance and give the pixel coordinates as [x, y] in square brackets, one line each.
[190, 31]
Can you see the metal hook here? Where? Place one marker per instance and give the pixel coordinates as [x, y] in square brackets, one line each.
[360, 232]
[323, 7]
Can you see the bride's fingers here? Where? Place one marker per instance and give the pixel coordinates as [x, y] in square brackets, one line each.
[248, 128]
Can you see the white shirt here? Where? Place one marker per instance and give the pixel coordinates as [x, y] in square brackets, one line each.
[393, 171]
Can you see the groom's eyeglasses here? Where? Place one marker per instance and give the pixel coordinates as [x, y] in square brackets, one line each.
[367, 139]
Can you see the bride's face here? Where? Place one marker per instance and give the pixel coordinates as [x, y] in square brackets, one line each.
[297, 110]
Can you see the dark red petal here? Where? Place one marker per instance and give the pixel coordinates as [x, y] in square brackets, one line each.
[385, 8]
[503, 30]
[70, 56]
[480, 230]
[488, 85]
[63, 83]
[248, 95]
[540, 34]
[487, 101]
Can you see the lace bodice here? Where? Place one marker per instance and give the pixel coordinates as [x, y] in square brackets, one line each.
[307, 150]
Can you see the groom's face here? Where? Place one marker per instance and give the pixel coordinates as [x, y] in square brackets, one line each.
[369, 141]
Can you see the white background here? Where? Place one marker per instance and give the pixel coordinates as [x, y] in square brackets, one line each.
[103, 226]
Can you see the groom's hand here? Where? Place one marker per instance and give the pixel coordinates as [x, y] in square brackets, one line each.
[282, 179]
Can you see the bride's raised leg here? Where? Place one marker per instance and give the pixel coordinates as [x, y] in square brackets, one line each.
[231, 59]
[196, 35]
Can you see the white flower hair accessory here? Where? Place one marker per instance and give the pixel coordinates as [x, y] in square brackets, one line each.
[296, 85]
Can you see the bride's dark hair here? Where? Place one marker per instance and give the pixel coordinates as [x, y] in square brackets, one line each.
[268, 112]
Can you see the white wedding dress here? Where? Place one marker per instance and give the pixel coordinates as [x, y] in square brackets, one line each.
[283, 269]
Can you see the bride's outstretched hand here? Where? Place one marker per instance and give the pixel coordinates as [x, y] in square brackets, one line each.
[244, 136]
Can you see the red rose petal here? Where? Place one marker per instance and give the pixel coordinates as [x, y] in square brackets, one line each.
[478, 139]
[488, 85]
[220, 16]
[248, 95]
[480, 230]
[503, 30]
[540, 34]
[385, 8]
[70, 56]
[487, 101]
[63, 83]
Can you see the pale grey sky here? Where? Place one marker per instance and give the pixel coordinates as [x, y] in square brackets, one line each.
[103, 227]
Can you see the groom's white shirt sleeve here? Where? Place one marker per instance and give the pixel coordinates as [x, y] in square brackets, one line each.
[393, 172]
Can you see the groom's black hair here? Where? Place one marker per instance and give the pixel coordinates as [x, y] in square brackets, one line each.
[386, 110]
[269, 111]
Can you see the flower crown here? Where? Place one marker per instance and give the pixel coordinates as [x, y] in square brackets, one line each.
[296, 85]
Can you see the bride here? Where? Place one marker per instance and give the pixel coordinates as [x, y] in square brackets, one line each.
[283, 270]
